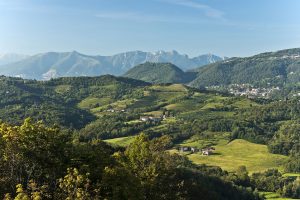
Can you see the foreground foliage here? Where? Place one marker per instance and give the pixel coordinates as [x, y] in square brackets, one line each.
[38, 162]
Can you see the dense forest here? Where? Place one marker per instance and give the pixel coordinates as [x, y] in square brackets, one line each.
[63, 150]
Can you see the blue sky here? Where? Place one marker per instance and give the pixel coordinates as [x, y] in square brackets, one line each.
[222, 27]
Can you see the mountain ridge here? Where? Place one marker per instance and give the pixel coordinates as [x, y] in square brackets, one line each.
[55, 64]
[270, 68]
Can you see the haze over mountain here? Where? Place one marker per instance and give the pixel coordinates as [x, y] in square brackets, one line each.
[11, 57]
[54, 64]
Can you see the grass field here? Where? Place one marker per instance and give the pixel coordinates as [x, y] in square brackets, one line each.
[240, 152]
[244, 103]
[273, 196]
[170, 88]
[291, 174]
[91, 102]
[122, 141]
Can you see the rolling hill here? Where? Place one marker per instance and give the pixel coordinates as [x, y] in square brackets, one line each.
[159, 73]
[53, 64]
[272, 68]
[109, 108]
[55, 101]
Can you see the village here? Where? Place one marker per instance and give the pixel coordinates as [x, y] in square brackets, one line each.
[247, 90]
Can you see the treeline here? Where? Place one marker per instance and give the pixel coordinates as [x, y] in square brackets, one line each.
[273, 181]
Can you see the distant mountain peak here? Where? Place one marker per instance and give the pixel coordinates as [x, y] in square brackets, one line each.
[55, 64]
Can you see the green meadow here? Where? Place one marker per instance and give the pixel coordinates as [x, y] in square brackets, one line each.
[240, 152]
[273, 196]
[122, 141]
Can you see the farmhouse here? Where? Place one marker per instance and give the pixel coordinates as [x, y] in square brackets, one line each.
[208, 151]
[185, 149]
[144, 118]
[194, 150]
[155, 119]
[150, 118]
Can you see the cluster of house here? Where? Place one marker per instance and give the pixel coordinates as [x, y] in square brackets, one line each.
[253, 92]
[296, 94]
[153, 119]
[247, 90]
[205, 151]
[114, 110]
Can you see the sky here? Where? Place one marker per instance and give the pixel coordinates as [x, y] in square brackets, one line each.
[106, 27]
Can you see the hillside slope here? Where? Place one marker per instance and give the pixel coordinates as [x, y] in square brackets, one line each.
[273, 68]
[55, 101]
[159, 73]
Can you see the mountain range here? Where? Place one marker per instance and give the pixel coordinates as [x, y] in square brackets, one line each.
[264, 70]
[53, 64]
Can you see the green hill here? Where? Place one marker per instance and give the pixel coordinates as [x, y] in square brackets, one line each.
[266, 69]
[109, 107]
[159, 73]
[55, 101]
[112, 109]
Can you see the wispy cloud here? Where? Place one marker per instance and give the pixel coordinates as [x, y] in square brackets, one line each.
[131, 16]
[143, 17]
[118, 15]
[208, 10]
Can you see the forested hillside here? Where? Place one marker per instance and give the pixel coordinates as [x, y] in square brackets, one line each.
[256, 141]
[266, 69]
[55, 101]
[159, 73]
[273, 75]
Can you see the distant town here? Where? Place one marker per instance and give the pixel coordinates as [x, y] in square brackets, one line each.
[250, 91]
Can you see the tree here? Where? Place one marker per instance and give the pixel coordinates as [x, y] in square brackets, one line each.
[31, 152]
[74, 186]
